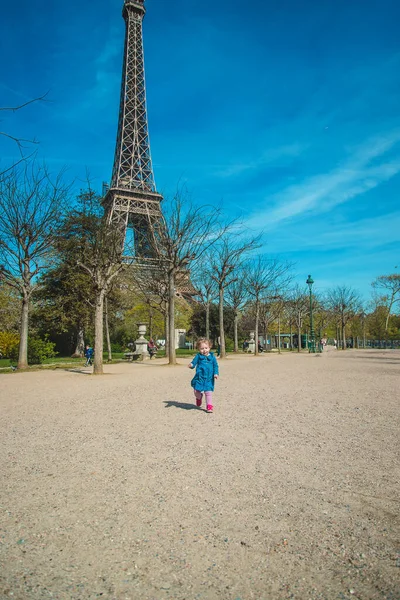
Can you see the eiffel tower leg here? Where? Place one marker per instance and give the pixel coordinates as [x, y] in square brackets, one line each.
[142, 241]
[119, 222]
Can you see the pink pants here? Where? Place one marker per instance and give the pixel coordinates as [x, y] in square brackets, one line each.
[208, 396]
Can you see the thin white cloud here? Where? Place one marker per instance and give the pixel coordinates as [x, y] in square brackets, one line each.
[321, 193]
[369, 234]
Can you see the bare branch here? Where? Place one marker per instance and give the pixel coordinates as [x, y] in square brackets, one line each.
[17, 140]
[15, 108]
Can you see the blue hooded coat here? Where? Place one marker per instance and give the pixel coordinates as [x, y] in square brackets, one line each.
[206, 368]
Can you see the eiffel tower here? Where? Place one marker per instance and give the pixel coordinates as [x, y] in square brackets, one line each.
[132, 201]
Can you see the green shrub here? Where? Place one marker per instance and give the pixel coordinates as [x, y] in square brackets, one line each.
[38, 350]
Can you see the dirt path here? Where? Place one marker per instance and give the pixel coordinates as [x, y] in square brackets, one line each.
[119, 487]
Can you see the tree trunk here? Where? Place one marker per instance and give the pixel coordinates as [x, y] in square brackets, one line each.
[23, 333]
[222, 353]
[107, 331]
[166, 320]
[171, 318]
[208, 320]
[80, 343]
[256, 327]
[235, 333]
[344, 345]
[98, 334]
[388, 314]
[279, 334]
[299, 339]
[291, 338]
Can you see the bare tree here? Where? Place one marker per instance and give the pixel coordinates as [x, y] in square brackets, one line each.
[267, 316]
[205, 287]
[227, 258]
[181, 238]
[237, 298]
[151, 285]
[390, 283]
[345, 303]
[299, 308]
[279, 305]
[31, 206]
[265, 278]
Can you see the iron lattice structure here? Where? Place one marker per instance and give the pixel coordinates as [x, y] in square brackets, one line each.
[132, 200]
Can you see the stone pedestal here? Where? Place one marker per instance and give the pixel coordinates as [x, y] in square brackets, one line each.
[180, 338]
[252, 343]
[141, 343]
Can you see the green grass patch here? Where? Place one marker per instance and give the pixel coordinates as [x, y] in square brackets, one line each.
[179, 352]
[5, 362]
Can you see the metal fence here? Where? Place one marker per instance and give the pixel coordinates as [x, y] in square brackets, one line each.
[367, 343]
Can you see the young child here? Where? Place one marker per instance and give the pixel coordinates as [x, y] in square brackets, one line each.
[206, 372]
[89, 355]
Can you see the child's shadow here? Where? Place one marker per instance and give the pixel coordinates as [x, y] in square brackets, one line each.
[184, 405]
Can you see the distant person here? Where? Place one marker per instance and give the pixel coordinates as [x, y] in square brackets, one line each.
[152, 348]
[206, 373]
[245, 346]
[89, 355]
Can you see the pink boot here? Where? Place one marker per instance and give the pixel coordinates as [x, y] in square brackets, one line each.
[199, 398]
[209, 408]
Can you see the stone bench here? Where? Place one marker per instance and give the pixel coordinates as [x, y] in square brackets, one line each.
[131, 356]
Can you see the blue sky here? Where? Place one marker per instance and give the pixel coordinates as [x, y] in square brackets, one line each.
[285, 112]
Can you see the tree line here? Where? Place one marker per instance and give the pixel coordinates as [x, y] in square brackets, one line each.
[67, 276]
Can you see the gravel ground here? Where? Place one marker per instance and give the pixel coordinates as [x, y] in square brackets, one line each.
[119, 487]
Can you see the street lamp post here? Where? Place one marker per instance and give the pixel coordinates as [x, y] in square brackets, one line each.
[311, 348]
